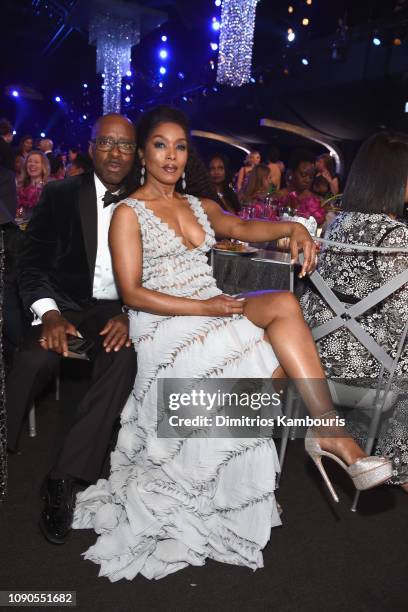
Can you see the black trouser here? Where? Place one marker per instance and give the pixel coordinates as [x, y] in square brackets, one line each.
[113, 374]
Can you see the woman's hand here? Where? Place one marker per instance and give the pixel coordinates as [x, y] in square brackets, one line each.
[223, 306]
[301, 240]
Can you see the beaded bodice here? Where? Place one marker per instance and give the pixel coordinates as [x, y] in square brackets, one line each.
[168, 265]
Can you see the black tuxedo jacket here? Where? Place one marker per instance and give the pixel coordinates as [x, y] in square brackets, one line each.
[58, 251]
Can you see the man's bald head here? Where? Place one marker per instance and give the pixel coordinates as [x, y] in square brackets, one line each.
[108, 119]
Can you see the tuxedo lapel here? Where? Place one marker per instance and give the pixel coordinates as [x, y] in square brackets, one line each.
[88, 213]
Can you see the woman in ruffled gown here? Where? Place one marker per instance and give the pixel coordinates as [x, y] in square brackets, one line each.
[173, 502]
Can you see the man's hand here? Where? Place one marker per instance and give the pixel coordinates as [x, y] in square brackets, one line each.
[300, 239]
[116, 331]
[54, 332]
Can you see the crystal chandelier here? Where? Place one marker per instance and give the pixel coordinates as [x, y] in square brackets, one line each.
[236, 42]
[114, 38]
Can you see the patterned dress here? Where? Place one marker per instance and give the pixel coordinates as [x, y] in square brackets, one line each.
[174, 502]
[355, 275]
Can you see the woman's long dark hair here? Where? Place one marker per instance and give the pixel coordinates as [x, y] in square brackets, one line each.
[197, 177]
[378, 177]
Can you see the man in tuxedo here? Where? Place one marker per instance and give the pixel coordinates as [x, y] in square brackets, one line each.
[66, 280]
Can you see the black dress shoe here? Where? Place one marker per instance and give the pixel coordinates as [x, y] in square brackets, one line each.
[56, 517]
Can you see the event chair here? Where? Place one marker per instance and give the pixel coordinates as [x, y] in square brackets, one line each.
[376, 399]
[32, 427]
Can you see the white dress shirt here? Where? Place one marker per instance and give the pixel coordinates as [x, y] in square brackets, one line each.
[104, 287]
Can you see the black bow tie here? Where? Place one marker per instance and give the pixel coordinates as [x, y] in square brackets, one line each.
[111, 198]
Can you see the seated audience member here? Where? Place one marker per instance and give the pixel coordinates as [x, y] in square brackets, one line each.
[6, 138]
[251, 160]
[325, 168]
[300, 175]
[36, 172]
[258, 186]
[46, 146]
[57, 168]
[275, 167]
[221, 179]
[66, 280]
[374, 196]
[72, 154]
[80, 165]
[321, 187]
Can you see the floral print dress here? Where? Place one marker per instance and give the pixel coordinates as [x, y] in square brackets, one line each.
[354, 275]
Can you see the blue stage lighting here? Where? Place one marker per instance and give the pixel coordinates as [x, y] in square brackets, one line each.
[214, 46]
[180, 75]
[164, 38]
[15, 93]
[160, 84]
[42, 134]
[305, 61]
[376, 41]
[291, 36]
[85, 85]
[163, 53]
[215, 24]
[127, 99]
[57, 99]
[217, 3]
[127, 87]
[84, 116]
[128, 73]
[162, 70]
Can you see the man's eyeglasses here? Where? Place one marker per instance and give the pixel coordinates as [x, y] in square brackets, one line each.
[105, 143]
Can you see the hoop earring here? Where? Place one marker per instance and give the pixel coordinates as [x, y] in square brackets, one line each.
[183, 182]
[142, 175]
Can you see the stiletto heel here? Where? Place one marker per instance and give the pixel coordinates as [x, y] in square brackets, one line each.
[365, 473]
[319, 464]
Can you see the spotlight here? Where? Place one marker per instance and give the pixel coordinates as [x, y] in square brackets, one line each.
[164, 38]
[397, 42]
[57, 99]
[127, 99]
[84, 116]
[102, 86]
[290, 9]
[180, 75]
[42, 134]
[15, 93]
[85, 85]
[162, 70]
[127, 87]
[291, 36]
[376, 41]
[305, 61]
[14, 132]
[215, 24]
[212, 65]
[406, 107]
[217, 2]
[252, 80]
[160, 85]
[184, 98]
[215, 89]
[103, 75]
[163, 53]
[214, 46]
[309, 2]
[305, 21]
[286, 71]
[128, 73]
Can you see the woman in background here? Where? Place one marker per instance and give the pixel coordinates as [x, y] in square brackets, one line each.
[325, 168]
[221, 180]
[252, 159]
[258, 186]
[374, 196]
[36, 172]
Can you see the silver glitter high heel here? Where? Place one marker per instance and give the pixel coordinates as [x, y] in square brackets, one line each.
[365, 473]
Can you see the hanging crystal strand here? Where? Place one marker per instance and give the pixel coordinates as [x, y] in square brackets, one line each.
[236, 42]
[114, 38]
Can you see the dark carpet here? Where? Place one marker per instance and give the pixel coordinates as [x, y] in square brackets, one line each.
[324, 557]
